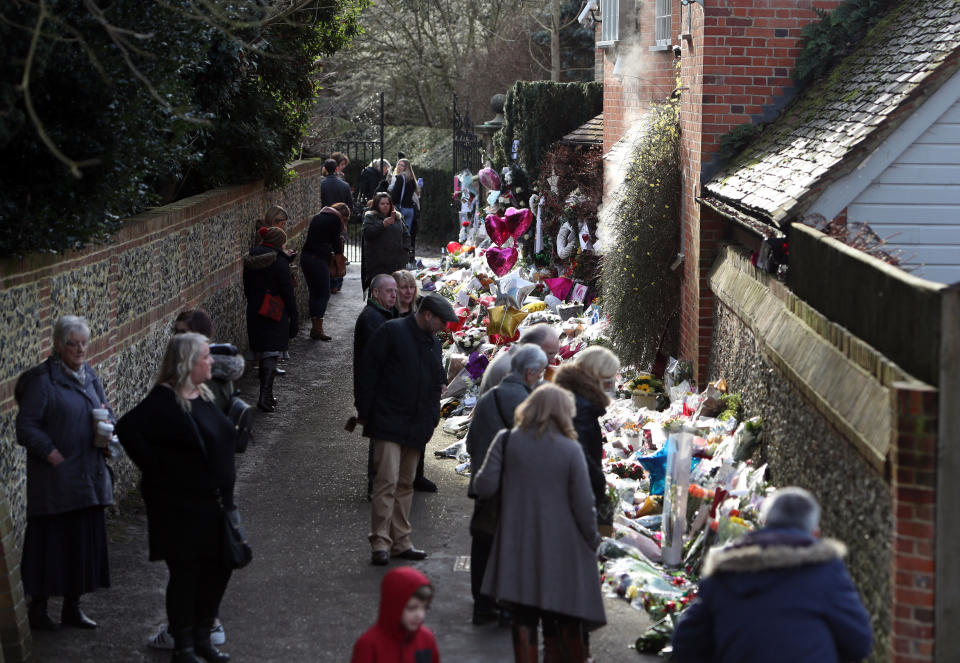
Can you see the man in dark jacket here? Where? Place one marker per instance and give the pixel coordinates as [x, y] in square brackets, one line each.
[379, 309]
[494, 412]
[334, 189]
[398, 402]
[779, 589]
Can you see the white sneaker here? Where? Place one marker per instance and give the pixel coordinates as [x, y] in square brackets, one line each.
[217, 635]
[163, 640]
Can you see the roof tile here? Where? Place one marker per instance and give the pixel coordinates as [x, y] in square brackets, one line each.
[793, 155]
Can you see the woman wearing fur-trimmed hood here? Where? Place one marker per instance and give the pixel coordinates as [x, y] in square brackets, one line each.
[589, 377]
[779, 593]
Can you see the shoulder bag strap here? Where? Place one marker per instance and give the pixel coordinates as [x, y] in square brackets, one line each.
[503, 463]
[503, 417]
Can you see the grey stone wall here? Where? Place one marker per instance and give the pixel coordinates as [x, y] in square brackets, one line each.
[803, 449]
[184, 255]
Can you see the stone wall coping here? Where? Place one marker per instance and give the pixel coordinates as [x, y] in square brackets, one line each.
[855, 400]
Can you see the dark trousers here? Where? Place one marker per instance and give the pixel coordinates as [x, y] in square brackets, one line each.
[316, 271]
[194, 592]
[529, 616]
[480, 548]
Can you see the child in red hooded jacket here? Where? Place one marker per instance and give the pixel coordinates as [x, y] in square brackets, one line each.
[399, 635]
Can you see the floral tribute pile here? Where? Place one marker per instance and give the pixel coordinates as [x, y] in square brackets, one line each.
[675, 457]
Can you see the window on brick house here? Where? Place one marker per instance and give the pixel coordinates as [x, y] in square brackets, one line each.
[609, 22]
[664, 20]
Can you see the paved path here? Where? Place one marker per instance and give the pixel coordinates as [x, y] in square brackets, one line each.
[310, 590]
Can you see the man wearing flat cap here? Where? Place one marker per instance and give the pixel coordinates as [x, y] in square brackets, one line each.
[397, 394]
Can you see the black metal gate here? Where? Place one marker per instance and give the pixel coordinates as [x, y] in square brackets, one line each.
[361, 147]
[466, 144]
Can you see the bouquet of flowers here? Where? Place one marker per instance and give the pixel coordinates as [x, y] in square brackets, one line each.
[646, 384]
[470, 340]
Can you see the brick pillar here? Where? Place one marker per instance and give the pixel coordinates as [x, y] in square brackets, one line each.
[914, 490]
[14, 629]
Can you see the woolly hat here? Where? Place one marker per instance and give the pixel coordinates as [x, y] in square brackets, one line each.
[272, 236]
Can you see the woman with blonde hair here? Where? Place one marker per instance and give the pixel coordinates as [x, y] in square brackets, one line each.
[402, 189]
[543, 560]
[590, 377]
[406, 292]
[184, 447]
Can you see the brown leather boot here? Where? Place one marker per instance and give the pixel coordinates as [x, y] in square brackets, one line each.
[316, 332]
[524, 644]
[572, 642]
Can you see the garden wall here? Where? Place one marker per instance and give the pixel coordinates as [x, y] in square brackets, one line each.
[183, 255]
[843, 421]
[895, 312]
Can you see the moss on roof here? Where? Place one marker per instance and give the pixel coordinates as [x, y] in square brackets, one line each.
[825, 131]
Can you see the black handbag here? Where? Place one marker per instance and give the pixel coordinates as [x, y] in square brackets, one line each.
[486, 514]
[237, 553]
[240, 414]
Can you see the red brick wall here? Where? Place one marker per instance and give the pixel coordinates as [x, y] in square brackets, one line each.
[913, 464]
[647, 75]
[736, 67]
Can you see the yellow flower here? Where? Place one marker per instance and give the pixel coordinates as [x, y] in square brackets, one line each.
[645, 388]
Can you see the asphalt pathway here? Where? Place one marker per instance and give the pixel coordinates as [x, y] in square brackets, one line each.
[310, 591]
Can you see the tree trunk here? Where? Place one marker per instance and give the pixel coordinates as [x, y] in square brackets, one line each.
[555, 42]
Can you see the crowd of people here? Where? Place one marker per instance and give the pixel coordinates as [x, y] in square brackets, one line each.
[540, 507]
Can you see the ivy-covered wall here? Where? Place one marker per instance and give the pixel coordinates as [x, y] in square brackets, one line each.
[184, 255]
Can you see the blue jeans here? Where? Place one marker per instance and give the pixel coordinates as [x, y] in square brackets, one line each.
[407, 213]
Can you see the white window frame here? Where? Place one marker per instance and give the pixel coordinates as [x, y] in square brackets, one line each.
[663, 24]
[609, 23]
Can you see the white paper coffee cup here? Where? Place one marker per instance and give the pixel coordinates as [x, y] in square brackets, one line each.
[104, 434]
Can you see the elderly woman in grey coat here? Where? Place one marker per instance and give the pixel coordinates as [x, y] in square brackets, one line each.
[68, 482]
[543, 562]
[493, 413]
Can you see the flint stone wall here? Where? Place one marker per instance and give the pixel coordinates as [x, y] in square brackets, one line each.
[802, 444]
[184, 255]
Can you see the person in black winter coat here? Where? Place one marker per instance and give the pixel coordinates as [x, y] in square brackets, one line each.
[333, 188]
[379, 309]
[373, 179]
[386, 240]
[184, 447]
[267, 271]
[589, 377]
[68, 481]
[398, 403]
[324, 238]
[779, 593]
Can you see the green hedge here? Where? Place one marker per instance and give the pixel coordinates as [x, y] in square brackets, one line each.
[538, 114]
[438, 221]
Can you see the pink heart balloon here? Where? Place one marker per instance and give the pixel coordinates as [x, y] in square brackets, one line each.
[489, 179]
[560, 286]
[518, 220]
[497, 229]
[500, 260]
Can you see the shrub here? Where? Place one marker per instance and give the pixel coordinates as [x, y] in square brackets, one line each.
[642, 236]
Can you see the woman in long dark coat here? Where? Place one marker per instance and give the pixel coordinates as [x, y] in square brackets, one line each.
[324, 238]
[68, 482]
[386, 240]
[184, 446]
[267, 271]
[589, 377]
